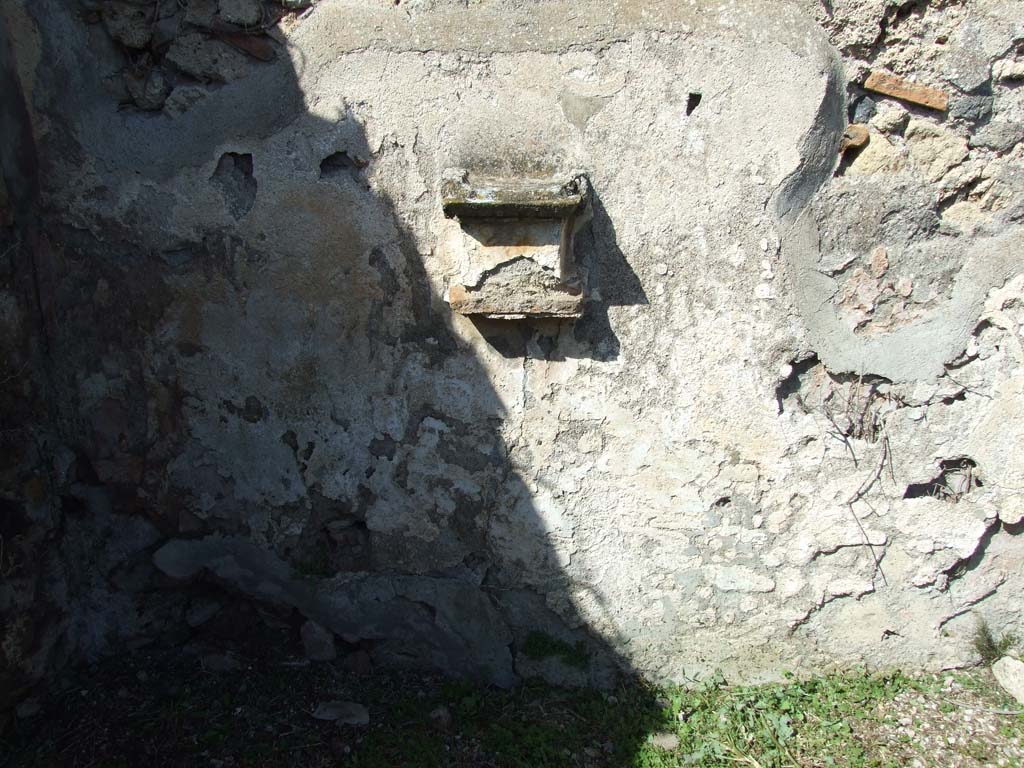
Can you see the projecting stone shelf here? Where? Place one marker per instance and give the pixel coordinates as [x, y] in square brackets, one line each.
[515, 244]
[522, 201]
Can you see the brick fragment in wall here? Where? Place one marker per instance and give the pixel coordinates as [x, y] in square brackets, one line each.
[897, 87]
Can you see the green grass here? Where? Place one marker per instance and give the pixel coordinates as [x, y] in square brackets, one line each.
[718, 725]
[795, 723]
[177, 714]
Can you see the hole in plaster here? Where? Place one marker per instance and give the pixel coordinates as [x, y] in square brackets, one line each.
[965, 565]
[546, 344]
[509, 340]
[234, 177]
[921, 489]
[350, 545]
[341, 164]
[790, 385]
[13, 524]
[849, 153]
[693, 102]
[957, 477]
[856, 405]
[962, 195]
[906, 10]
[383, 447]
[252, 410]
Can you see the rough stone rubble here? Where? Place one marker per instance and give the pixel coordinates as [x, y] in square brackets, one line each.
[785, 435]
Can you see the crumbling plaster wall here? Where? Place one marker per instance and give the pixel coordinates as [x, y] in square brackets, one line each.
[784, 436]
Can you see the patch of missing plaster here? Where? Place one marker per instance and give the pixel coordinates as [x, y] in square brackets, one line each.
[252, 410]
[825, 599]
[237, 184]
[518, 288]
[956, 479]
[965, 565]
[579, 109]
[972, 562]
[520, 268]
[341, 165]
[692, 102]
[855, 405]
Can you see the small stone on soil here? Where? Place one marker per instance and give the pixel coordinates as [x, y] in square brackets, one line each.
[318, 642]
[665, 741]
[440, 718]
[1009, 673]
[220, 662]
[342, 712]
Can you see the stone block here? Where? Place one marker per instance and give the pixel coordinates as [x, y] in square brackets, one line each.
[1009, 673]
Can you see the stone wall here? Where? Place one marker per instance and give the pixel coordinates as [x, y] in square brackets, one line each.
[784, 434]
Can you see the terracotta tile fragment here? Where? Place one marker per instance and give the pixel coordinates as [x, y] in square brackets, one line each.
[898, 88]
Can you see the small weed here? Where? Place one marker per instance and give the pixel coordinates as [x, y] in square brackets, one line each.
[988, 647]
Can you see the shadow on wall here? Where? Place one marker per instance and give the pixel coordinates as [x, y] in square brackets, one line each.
[281, 397]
